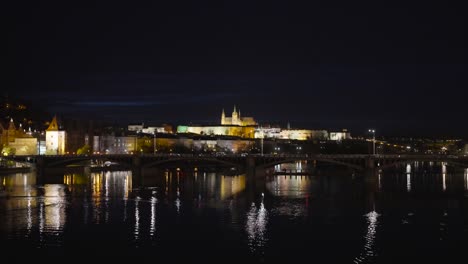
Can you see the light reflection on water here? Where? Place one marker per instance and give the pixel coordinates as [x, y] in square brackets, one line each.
[408, 177]
[154, 200]
[444, 174]
[179, 205]
[289, 185]
[369, 251]
[256, 227]
[136, 231]
[466, 179]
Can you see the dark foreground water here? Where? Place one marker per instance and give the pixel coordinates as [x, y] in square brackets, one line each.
[415, 213]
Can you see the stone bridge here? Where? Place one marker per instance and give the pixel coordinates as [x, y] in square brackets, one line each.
[256, 161]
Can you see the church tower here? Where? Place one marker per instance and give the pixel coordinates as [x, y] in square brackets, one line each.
[11, 133]
[235, 117]
[55, 139]
[223, 118]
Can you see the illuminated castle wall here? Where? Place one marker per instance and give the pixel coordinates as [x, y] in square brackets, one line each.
[236, 119]
[226, 130]
[55, 139]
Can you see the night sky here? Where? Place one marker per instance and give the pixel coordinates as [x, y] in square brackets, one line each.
[401, 69]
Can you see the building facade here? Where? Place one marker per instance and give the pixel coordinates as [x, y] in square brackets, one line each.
[342, 135]
[55, 139]
[17, 141]
[236, 131]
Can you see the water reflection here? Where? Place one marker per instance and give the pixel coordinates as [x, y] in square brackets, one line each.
[222, 187]
[369, 250]
[444, 173]
[303, 212]
[290, 186]
[231, 185]
[257, 220]
[136, 230]
[154, 200]
[52, 214]
[466, 179]
[408, 177]
[55, 204]
[177, 202]
[111, 184]
[379, 180]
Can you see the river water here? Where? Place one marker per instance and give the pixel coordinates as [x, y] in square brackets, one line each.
[417, 212]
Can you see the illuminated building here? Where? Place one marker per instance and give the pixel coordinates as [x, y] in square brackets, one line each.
[136, 128]
[296, 134]
[340, 135]
[17, 140]
[24, 146]
[268, 132]
[292, 134]
[223, 145]
[237, 131]
[55, 139]
[165, 128]
[236, 119]
[109, 144]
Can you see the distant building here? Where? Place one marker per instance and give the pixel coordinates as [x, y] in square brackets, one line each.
[165, 128]
[109, 144]
[236, 119]
[223, 145]
[136, 127]
[238, 131]
[342, 135]
[55, 139]
[154, 130]
[18, 141]
[268, 132]
[292, 134]
[24, 146]
[303, 134]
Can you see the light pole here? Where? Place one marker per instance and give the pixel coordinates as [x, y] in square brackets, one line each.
[373, 140]
[154, 142]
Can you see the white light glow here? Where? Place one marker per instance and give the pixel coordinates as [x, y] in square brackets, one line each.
[408, 168]
[444, 173]
[257, 220]
[136, 231]
[153, 217]
[369, 246]
[380, 183]
[466, 179]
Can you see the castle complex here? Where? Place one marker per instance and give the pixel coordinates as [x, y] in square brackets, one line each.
[236, 119]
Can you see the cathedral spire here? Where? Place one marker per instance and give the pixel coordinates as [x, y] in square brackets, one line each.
[11, 126]
[223, 118]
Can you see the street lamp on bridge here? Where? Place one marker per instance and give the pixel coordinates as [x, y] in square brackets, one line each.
[154, 142]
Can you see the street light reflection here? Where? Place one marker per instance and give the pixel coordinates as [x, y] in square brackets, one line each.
[257, 220]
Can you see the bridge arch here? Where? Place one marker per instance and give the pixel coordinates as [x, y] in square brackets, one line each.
[77, 160]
